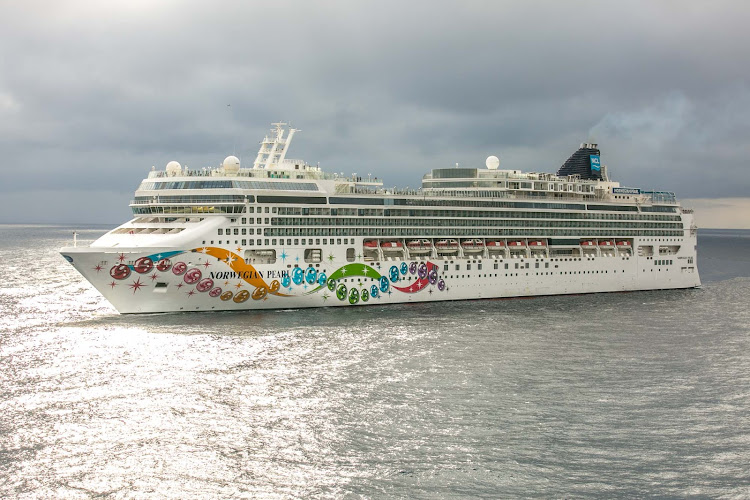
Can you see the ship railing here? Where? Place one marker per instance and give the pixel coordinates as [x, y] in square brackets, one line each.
[255, 173]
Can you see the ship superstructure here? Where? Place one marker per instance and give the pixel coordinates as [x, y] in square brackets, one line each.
[286, 234]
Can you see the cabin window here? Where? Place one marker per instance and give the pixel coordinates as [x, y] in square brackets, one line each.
[350, 255]
[221, 232]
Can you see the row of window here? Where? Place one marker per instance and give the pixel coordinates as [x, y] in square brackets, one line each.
[474, 214]
[461, 233]
[362, 221]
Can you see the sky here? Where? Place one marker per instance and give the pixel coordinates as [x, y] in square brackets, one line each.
[92, 94]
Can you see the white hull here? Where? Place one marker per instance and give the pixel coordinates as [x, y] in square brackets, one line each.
[252, 286]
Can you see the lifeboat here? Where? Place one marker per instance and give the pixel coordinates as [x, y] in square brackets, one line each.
[391, 245]
[516, 244]
[472, 245]
[371, 244]
[419, 246]
[447, 245]
[588, 243]
[606, 243]
[537, 243]
[623, 244]
[496, 244]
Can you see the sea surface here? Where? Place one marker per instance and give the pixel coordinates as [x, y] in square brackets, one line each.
[605, 395]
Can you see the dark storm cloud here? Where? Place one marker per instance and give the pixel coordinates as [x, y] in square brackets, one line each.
[92, 95]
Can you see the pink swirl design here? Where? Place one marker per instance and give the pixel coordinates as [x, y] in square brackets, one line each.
[215, 292]
[179, 268]
[143, 265]
[164, 265]
[192, 276]
[119, 272]
[205, 285]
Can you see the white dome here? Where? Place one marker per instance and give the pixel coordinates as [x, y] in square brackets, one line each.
[231, 165]
[492, 162]
[173, 168]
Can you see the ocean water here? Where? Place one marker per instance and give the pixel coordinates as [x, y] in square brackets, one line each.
[606, 395]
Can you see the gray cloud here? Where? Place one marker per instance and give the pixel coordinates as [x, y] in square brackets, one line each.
[92, 95]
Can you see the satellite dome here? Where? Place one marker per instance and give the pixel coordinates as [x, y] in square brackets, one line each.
[173, 168]
[492, 162]
[231, 165]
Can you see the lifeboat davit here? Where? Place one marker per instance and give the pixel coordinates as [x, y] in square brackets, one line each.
[371, 244]
[516, 244]
[588, 243]
[623, 243]
[606, 243]
[496, 244]
[537, 243]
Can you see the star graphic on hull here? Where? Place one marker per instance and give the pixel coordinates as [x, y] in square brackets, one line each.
[191, 293]
[98, 268]
[113, 284]
[137, 285]
[238, 249]
[364, 270]
[154, 276]
[283, 255]
[121, 258]
[179, 285]
[331, 257]
[206, 264]
[238, 285]
[325, 297]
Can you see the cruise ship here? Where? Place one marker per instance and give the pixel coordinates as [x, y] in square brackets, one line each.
[284, 234]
